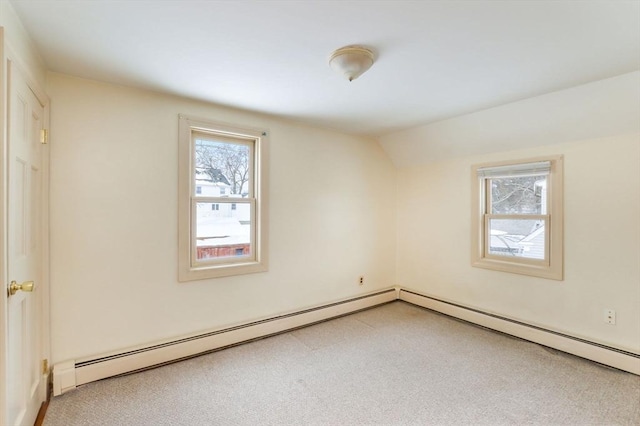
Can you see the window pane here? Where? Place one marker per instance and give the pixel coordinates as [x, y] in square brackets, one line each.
[518, 195]
[222, 168]
[221, 231]
[517, 237]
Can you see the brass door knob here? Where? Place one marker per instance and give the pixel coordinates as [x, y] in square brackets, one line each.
[14, 287]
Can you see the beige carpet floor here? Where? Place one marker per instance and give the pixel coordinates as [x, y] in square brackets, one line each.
[396, 364]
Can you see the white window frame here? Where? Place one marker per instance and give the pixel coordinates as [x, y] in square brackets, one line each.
[258, 141]
[552, 266]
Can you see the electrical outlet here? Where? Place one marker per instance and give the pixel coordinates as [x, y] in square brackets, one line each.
[610, 316]
[361, 280]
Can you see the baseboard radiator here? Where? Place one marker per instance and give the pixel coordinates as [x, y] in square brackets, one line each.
[68, 375]
[617, 358]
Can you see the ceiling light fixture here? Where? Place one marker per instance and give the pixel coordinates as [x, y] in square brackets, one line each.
[351, 61]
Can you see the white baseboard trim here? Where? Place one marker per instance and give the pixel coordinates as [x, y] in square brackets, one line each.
[70, 374]
[613, 357]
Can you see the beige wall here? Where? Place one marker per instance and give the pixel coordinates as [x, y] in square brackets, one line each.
[114, 221]
[602, 210]
[333, 217]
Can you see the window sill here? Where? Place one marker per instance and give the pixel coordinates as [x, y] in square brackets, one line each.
[217, 271]
[541, 271]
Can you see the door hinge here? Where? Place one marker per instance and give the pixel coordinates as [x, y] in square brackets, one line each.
[44, 136]
[45, 366]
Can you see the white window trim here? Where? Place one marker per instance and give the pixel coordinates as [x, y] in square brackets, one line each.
[187, 269]
[553, 266]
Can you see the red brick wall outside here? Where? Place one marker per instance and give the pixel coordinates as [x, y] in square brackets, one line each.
[208, 252]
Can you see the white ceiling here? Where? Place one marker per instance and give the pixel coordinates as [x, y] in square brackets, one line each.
[435, 59]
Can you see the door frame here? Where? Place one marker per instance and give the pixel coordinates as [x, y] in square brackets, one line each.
[9, 59]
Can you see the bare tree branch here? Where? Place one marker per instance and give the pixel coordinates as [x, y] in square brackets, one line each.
[224, 162]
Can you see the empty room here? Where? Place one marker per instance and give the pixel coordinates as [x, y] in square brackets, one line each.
[320, 212]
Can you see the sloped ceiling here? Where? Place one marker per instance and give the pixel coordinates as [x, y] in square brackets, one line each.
[435, 59]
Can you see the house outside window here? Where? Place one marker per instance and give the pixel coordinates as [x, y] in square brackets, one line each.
[517, 217]
[222, 225]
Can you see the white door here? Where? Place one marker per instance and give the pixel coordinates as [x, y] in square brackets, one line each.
[26, 382]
